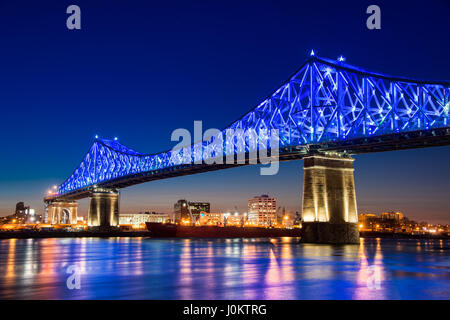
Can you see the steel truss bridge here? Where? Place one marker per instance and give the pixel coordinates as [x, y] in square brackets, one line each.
[326, 105]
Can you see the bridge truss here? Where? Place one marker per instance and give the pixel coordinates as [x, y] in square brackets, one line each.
[326, 105]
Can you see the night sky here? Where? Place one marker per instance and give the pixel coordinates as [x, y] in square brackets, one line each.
[138, 70]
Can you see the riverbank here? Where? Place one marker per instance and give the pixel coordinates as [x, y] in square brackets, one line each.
[71, 234]
[131, 234]
[386, 235]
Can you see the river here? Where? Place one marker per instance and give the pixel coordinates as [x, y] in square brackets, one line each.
[281, 268]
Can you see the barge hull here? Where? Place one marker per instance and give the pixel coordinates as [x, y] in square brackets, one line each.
[177, 231]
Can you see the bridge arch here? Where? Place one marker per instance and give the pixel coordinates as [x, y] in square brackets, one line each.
[62, 212]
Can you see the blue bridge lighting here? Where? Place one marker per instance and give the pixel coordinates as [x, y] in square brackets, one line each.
[326, 103]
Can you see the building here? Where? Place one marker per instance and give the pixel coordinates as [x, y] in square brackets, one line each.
[211, 219]
[297, 219]
[233, 219]
[368, 222]
[262, 210]
[31, 216]
[184, 209]
[181, 211]
[220, 219]
[138, 220]
[392, 222]
[392, 215]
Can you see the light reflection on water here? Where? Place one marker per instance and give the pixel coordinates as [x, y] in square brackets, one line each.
[144, 268]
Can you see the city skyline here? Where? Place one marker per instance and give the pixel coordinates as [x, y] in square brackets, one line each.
[132, 99]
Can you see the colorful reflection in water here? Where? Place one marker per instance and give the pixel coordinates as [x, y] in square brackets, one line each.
[144, 268]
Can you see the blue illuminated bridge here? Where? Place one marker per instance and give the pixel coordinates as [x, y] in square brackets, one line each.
[326, 107]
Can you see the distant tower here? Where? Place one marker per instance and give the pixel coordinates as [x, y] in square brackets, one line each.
[21, 212]
[20, 208]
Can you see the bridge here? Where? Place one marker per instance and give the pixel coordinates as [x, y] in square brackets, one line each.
[324, 113]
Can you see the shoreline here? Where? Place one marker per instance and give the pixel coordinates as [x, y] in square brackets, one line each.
[133, 234]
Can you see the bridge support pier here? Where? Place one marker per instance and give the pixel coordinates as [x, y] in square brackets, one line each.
[62, 212]
[104, 208]
[329, 201]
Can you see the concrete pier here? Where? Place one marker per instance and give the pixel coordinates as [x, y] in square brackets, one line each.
[329, 201]
[62, 212]
[104, 208]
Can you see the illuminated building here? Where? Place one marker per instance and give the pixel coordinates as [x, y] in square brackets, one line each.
[368, 221]
[233, 219]
[31, 216]
[395, 222]
[391, 215]
[262, 210]
[297, 219]
[211, 218]
[182, 207]
[138, 220]
[220, 219]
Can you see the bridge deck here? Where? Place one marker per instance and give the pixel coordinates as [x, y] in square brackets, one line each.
[410, 140]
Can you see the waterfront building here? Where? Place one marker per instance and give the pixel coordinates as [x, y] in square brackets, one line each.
[182, 207]
[262, 210]
[31, 216]
[391, 222]
[220, 219]
[368, 221]
[233, 219]
[297, 219]
[138, 220]
[20, 210]
[181, 211]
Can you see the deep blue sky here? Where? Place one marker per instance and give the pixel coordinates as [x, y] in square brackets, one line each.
[138, 70]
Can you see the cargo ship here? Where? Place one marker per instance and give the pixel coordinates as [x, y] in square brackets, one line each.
[170, 230]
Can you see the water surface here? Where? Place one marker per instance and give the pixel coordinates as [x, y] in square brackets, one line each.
[144, 268]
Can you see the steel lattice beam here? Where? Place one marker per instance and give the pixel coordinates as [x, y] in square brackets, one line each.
[325, 103]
